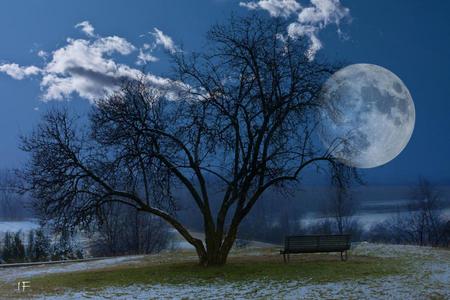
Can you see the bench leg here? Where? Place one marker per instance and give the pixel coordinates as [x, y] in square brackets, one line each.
[344, 255]
[284, 258]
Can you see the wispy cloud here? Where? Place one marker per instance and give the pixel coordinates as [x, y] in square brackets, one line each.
[276, 8]
[164, 40]
[90, 68]
[323, 13]
[310, 20]
[86, 27]
[42, 54]
[145, 57]
[145, 54]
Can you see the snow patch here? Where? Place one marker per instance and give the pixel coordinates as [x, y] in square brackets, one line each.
[11, 274]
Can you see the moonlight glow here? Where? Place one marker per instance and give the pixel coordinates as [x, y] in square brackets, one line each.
[367, 117]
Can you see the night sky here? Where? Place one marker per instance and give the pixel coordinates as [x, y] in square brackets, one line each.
[410, 38]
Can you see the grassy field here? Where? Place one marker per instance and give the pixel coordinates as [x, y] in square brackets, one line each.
[181, 268]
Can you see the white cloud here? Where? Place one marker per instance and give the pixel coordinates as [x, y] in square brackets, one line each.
[145, 57]
[42, 54]
[86, 68]
[90, 68]
[276, 8]
[323, 13]
[310, 20]
[18, 72]
[296, 29]
[86, 27]
[164, 40]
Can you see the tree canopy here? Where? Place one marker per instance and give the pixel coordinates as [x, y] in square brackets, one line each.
[242, 113]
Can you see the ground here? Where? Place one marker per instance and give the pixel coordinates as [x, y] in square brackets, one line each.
[372, 272]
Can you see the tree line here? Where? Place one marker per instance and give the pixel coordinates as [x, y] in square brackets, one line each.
[125, 231]
[37, 246]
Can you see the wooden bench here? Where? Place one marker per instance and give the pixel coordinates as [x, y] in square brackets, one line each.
[316, 243]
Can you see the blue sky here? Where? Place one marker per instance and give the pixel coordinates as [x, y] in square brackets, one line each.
[410, 38]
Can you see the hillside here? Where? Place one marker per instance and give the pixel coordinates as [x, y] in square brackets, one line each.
[373, 272]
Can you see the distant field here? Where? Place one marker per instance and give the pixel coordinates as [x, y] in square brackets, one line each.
[14, 226]
[373, 271]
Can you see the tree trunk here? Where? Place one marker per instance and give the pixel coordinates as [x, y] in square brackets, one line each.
[216, 253]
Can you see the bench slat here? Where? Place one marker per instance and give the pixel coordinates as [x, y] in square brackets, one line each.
[316, 243]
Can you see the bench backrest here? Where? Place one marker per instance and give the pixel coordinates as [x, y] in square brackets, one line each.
[317, 243]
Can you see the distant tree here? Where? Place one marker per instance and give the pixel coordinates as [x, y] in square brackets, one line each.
[19, 248]
[447, 234]
[342, 207]
[65, 247]
[324, 226]
[245, 115]
[31, 244]
[12, 203]
[421, 224]
[425, 222]
[13, 249]
[267, 225]
[38, 246]
[7, 250]
[124, 230]
[41, 246]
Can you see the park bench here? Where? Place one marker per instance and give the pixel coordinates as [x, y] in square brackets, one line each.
[316, 243]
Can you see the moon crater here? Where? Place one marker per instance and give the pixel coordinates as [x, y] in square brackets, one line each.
[367, 115]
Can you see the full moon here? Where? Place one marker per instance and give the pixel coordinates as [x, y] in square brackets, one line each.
[367, 115]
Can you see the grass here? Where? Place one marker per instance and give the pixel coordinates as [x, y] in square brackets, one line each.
[315, 268]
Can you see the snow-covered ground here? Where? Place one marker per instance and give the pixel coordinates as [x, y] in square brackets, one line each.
[386, 288]
[429, 278]
[13, 274]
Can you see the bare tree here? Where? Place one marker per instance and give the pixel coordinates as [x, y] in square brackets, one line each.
[421, 224]
[244, 114]
[342, 207]
[425, 220]
[12, 203]
[124, 230]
